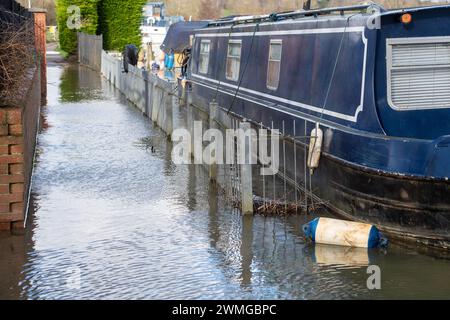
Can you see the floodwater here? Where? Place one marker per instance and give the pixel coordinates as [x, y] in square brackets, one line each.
[111, 219]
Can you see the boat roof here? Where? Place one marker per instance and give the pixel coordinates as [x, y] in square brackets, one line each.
[335, 12]
[416, 9]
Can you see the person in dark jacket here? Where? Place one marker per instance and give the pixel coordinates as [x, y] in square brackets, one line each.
[130, 56]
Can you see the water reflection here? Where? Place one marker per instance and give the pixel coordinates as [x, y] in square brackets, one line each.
[13, 256]
[80, 85]
[246, 250]
[137, 226]
[329, 255]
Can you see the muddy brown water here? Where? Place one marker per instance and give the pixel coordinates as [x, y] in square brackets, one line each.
[111, 219]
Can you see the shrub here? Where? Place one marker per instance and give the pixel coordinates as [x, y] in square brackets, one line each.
[89, 21]
[119, 22]
[17, 55]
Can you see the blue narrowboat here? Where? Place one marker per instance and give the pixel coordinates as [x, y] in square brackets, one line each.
[378, 84]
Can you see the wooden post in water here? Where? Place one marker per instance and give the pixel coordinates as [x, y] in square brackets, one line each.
[168, 119]
[155, 101]
[149, 98]
[161, 108]
[213, 108]
[190, 120]
[246, 174]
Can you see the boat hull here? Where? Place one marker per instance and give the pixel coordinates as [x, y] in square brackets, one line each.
[406, 208]
[415, 209]
[410, 208]
[379, 164]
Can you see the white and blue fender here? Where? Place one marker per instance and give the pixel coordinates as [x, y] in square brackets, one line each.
[344, 233]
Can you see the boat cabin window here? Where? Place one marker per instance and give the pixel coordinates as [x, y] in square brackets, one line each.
[418, 73]
[233, 59]
[204, 56]
[273, 68]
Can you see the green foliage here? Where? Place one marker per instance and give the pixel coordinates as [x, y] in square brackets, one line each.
[63, 53]
[119, 22]
[89, 21]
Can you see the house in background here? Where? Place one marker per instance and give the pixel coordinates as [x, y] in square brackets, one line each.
[155, 25]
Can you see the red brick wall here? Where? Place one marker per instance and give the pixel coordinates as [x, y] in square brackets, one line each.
[11, 167]
[18, 129]
[40, 43]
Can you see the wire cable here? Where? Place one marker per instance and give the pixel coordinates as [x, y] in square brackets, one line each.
[220, 82]
[335, 67]
[243, 70]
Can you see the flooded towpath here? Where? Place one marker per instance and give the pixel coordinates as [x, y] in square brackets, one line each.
[112, 219]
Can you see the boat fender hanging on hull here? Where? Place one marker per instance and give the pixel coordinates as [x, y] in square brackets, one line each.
[315, 148]
[344, 233]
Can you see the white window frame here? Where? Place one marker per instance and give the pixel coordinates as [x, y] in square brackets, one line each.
[396, 41]
[232, 57]
[204, 54]
[280, 42]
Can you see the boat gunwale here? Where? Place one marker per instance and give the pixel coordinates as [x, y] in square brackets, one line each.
[396, 175]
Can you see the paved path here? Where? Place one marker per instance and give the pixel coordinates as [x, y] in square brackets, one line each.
[53, 56]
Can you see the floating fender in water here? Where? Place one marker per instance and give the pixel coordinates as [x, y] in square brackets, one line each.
[344, 233]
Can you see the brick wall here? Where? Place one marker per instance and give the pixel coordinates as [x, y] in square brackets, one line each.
[18, 129]
[40, 43]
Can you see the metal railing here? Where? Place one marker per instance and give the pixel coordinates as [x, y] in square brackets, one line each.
[292, 15]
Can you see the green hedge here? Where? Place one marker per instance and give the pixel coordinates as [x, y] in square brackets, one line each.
[89, 22]
[119, 22]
